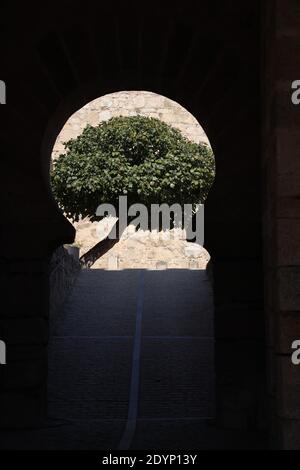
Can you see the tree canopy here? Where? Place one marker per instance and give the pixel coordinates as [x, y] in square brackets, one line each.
[140, 157]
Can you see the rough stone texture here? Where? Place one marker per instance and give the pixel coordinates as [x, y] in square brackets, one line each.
[142, 249]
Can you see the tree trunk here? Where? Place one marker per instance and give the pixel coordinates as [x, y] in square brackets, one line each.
[90, 257]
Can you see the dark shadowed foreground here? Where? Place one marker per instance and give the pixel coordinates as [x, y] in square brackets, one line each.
[131, 365]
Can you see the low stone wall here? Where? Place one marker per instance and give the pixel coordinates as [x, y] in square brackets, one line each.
[63, 272]
[141, 249]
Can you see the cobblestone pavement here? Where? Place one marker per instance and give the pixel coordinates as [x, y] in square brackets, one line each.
[131, 366]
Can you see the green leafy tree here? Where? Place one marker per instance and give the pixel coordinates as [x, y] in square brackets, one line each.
[140, 157]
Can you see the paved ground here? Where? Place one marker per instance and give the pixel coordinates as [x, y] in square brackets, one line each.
[132, 367]
[134, 345]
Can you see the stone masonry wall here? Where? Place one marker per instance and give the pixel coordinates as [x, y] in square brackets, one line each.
[281, 218]
[63, 272]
